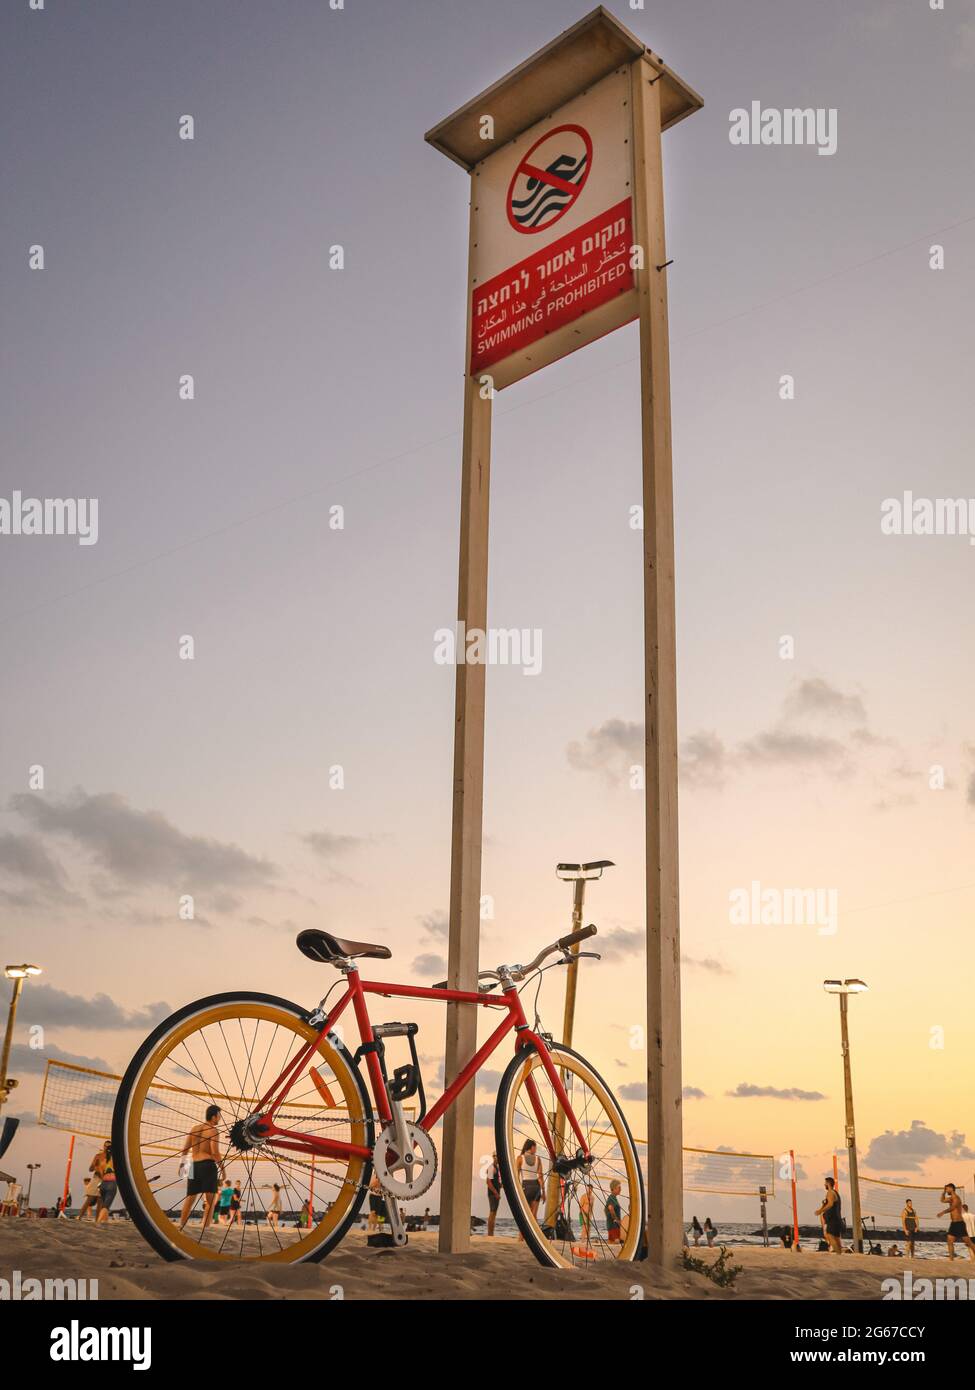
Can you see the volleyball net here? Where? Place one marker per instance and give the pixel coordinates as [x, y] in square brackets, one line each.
[729, 1174]
[879, 1198]
[724, 1172]
[81, 1101]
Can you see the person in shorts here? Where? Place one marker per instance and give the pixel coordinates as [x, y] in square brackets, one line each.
[957, 1230]
[378, 1211]
[614, 1214]
[203, 1146]
[223, 1201]
[493, 1193]
[529, 1174]
[831, 1213]
[109, 1187]
[92, 1185]
[909, 1225]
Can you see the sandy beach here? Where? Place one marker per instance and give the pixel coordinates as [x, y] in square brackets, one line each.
[500, 1269]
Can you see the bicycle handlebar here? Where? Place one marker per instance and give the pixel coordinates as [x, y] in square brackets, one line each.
[581, 935]
[518, 972]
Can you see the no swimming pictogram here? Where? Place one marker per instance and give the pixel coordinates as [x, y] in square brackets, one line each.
[549, 179]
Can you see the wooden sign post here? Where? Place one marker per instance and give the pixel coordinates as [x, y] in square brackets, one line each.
[567, 244]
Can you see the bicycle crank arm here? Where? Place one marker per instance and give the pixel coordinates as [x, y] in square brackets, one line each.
[396, 1225]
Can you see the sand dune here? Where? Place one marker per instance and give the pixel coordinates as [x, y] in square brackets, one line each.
[126, 1268]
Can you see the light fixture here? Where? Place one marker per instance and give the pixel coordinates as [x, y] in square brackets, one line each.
[21, 972]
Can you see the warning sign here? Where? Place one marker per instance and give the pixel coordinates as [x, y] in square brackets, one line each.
[549, 179]
[553, 236]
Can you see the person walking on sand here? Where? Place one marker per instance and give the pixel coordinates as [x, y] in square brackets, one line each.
[709, 1232]
[955, 1211]
[493, 1193]
[377, 1205]
[109, 1187]
[585, 1211]
[831, 1212]
[203, 1146]
[274, 1210]
[614, 1214]
[91, 1184]
[909, 1225]
[236, 1218]
[969, 1219]
[697, 1230]
[223, 1202]
[529, 1174]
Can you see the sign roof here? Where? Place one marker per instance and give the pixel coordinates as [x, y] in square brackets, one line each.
[586, 52]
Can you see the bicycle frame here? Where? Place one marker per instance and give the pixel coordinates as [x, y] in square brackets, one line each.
[355, 994]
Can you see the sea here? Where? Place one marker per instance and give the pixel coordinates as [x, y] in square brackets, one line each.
[743, 1233]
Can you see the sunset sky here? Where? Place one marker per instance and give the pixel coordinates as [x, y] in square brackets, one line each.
[314, 646]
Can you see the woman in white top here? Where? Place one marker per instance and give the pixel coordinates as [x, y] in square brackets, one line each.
[529, 1174]
[274, 1210]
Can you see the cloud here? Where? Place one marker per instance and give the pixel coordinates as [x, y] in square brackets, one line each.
[49, 1006]
[618, 944]
[435, 924]
[713, 967]
[907, 1150]
[746, 1091]
[632, 1090]
[693, 1093]
[33, 874]
[970, 792]
[703, 761]
[792, 747]
[795, 739]
[33, 1061]
[328, 845]
[814, 698]
[429, 964]
[142, 847]
[612, 749]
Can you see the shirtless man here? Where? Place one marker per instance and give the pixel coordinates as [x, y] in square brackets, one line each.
[957, 1230]
[203, 1147]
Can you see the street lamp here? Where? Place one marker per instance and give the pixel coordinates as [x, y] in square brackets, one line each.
[31, 1168]
[844, 988]
[17, 973]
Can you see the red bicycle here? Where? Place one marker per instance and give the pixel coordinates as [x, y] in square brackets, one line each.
[295, 1122]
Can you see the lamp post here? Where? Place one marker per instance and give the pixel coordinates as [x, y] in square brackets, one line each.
[31, 1168]
[844, 988]
[17, 973]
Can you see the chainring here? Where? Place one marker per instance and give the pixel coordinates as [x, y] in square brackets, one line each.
[395, 1177]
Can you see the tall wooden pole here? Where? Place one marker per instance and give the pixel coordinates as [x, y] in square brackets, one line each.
[851, 1138]
[795, 1199]
[572, 971]
[664, 1118]
[468, 805]
[67, 1176]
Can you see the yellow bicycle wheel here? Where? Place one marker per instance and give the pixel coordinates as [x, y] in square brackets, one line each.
[573, 1211]
[281, 1206]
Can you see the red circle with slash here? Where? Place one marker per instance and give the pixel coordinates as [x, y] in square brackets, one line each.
[549, 179]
